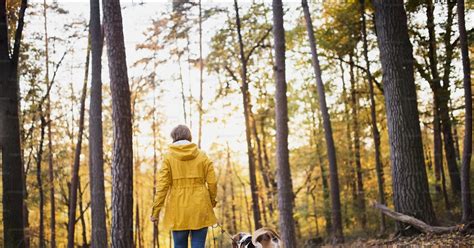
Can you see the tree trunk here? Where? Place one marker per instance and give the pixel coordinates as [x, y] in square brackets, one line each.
[39, 179]
[246, 103]
[285, 184]
[266, 160]
[233, 222]
[181, 81]
[10, 144]
[50, 138]
[262, 168]
[331, 150]
[437, 150]
[373, 118]
[360, 201]
[410, 183]
[324, 181]
[77, 156]
[96, 154]
[444, 96]
[350, 153]
[122, 169]
[156, 243]
[467, 150]
[81, 216]
[201, 80]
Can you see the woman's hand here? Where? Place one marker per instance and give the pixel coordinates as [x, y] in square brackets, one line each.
[153, 219]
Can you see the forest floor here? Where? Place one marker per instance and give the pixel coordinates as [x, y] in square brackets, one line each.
[422, 240]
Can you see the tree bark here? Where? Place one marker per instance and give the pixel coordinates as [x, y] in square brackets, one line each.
[285, 184]
[373, 118]
[409, 180]
[156, 243]
[246, 103]
[360, 201]
[122, 161]
[50, 138]
[350, 153]
[437, 146]
[444, 96]
[201, 79]
[467, 141]
[82, 210]
[10, 144]
[96, 154]
[262, 168]
[39, 179]
[77, 156]
[337, 235]
[441, 93]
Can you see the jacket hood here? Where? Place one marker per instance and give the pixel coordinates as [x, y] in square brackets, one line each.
[184, 152]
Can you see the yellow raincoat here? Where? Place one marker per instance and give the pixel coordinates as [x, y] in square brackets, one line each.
[182, 183]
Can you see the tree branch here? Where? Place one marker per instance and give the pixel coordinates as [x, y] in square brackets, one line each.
[377, 83]
[259, 43]
[231, 73]
[418, 224]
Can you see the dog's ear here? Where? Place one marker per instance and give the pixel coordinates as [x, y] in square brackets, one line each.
[235, 240]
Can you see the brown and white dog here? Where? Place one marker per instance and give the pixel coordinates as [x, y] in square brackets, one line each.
[261, 238]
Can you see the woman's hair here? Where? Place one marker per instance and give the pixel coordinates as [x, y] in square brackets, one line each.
[181, 132]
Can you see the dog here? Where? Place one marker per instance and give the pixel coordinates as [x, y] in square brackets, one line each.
[261, 238]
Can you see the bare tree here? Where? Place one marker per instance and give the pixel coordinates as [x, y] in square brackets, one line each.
[39, 180]
[285, 184]
[467, 150]
[50, 136]
[410, 183]
[122, 161]
[10, 144]
[373, 117]
[96, 160]
[331, 150]
[77, 156]
[201, 71]
[246, 102]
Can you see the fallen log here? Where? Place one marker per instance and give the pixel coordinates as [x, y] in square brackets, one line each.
[418, 224]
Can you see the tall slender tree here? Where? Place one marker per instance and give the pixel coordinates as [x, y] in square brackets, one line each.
[154, 127]
[96, 160]
[77, 156]
[246, 103]
[122, 169]
[52, 222]
[39, 180]
[360, 193]
[467, 150]
[10, 144]
[337, 235]
[373, 116]
[201, 73]
[410, 184]
[285, 184]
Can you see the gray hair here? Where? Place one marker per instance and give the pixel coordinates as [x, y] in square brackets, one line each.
[181, 132]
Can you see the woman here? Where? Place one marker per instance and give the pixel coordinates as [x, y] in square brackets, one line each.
[182, 181]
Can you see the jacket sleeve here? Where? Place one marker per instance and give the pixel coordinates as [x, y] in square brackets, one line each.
[162, 187]
[211, 181]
